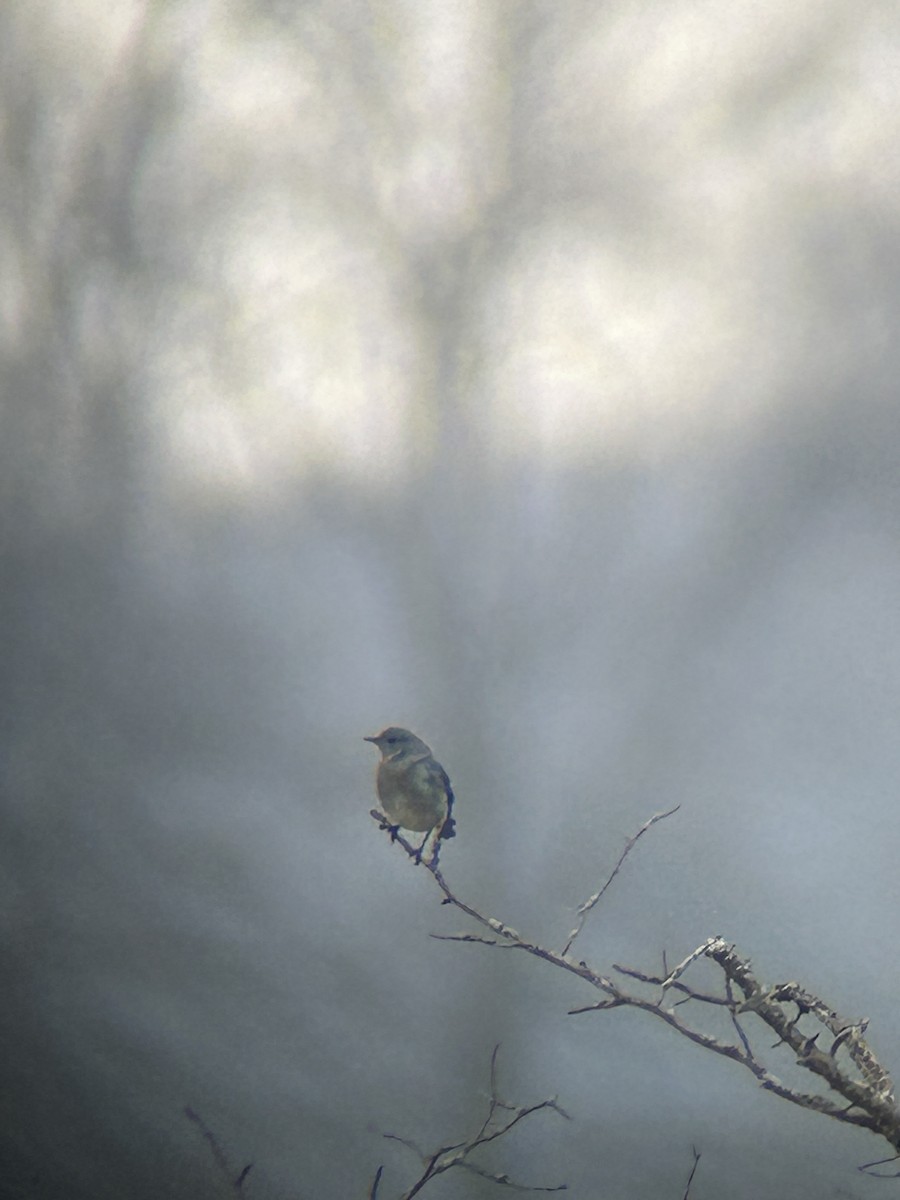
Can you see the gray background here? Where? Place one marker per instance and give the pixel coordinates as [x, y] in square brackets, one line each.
[520, 373]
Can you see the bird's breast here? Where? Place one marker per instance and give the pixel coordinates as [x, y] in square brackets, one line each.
[410, 796]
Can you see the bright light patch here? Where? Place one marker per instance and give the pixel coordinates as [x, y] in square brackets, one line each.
[597, 353]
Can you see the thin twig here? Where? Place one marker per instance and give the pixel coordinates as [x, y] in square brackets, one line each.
[501, 1118]
[687, 1190]
[675, 985]
[590, 903]
[373, 1190]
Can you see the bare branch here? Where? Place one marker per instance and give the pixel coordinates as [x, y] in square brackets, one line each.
[501, 1118]
[849, 1067]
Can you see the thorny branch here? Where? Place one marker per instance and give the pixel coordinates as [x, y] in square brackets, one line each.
[863, 1093]
[501, 1118]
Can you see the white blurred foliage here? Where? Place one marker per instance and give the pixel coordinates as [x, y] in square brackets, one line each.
[294, 343]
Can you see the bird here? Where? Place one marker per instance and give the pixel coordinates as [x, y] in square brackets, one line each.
[413, 787]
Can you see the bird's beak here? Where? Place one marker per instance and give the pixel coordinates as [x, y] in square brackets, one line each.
[371, 739]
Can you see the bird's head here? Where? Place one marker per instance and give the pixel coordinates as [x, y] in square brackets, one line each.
[395, 742]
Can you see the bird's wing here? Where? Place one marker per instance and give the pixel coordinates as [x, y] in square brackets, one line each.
[437, 772]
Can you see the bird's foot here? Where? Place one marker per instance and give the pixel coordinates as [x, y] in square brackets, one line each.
[384, 823]
[432, 859]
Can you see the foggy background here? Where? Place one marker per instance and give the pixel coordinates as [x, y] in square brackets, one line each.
[524, 374]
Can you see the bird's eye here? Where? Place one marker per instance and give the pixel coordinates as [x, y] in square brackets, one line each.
[391, 741]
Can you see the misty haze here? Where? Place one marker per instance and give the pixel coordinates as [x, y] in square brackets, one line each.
[523, 375]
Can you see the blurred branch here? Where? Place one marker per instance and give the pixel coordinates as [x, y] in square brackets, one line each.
[867, 1168]
[501, 1118]
[235, 1182]
[690, 1180]
[847, 1065]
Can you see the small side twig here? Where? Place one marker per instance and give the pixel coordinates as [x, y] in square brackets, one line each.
[675, 974]
[687, 1190]
[592, 901]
